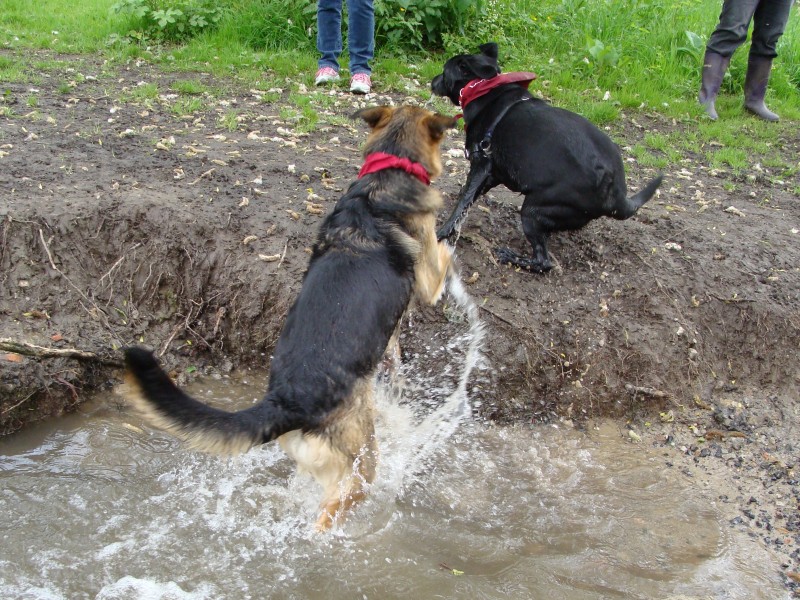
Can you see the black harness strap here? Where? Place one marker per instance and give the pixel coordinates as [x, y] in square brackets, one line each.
[484, 147]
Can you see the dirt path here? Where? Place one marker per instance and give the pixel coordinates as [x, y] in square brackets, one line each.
[122, 221]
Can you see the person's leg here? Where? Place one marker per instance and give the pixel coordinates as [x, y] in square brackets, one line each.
[329, 33]
[360, 35]
[731, 32]
[769, 22]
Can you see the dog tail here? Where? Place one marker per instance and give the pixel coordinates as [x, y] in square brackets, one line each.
[202, 427]
[636, 201]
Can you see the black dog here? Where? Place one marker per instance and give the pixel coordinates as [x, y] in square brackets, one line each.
[374, 253]
[569, 171]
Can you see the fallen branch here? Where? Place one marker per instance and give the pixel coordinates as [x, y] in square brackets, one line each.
[498, 317]
[26, 349]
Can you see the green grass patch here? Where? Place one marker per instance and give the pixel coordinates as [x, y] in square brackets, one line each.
[11, 70]
[187, 106]
[79, 26]
[147, 92]
[190, 87]
[230, 120]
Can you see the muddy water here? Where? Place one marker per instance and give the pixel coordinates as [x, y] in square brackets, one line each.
[95, 506]
[98, 505]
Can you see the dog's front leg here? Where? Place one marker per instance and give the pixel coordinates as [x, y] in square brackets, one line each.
[432, 269]
[479, 181]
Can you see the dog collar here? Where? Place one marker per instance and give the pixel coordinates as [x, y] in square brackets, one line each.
[480, 87]
[378, 161]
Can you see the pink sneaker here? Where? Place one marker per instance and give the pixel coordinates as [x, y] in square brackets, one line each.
[326, 75]
[360, 83]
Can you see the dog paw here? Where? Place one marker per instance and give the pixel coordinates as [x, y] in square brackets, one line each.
[325, 521]
[506, 256]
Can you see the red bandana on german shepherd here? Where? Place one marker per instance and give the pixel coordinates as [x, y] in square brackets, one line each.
[374, 253]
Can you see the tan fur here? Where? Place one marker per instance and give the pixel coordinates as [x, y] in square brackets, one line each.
[344, 458]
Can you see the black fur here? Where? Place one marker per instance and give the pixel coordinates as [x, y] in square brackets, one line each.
[357, 286]
[569, 171]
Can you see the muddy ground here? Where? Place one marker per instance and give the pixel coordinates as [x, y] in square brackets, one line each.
[124, 221]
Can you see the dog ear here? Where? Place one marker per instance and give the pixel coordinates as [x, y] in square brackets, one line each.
[489, 49]
[374, 116]
[438, 124]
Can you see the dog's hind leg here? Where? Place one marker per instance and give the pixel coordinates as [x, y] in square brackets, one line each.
[340, 497]
[479, 181]
[343, 457]
[537, 236]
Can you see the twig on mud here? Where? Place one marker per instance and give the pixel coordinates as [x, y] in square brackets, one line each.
[280, 262]
[47, 249]
[496, 316]
[199, 337]
[4, 243]
[733, 300]
[99, 310]
[220, 314]
[634, 390]
[185, 327]
[27, 349]
[171, 337]
[23, 401]
[188, 327]
[206, 174]
[119, 262]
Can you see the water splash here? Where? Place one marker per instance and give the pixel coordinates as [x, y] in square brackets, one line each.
[421, 406]
[442, 389]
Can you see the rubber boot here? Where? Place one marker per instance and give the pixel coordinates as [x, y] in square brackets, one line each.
[755, 87]
[714, 67]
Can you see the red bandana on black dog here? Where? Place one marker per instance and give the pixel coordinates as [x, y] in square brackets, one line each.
[479, 87]
[378, 161]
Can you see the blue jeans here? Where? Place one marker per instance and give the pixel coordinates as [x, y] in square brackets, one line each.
[360, 33]
[769, 21]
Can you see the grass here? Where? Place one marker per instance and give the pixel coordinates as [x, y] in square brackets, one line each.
[601, 58]
[187, 106]
[190, 87]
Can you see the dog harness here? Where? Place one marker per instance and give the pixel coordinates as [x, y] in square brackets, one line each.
[378, 161]
[480, 87]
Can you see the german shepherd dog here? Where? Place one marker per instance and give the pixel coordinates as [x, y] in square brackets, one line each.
[375, 252]
[569, 171]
